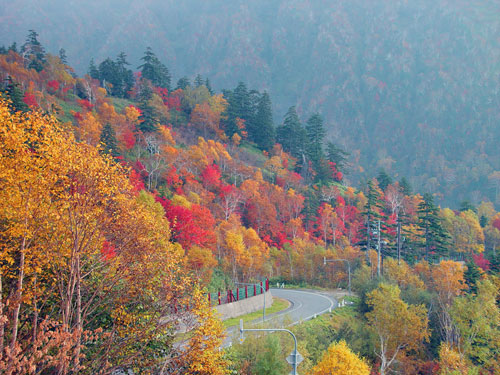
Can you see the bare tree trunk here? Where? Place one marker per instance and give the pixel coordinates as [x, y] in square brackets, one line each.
[35, 312]
[18, 295]
[2, 323]
[79, 323]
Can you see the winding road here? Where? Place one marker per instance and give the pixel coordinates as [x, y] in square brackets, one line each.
[304, 305]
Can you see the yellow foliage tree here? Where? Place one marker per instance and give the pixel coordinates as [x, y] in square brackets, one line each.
[399, 327]
[340, 360]
[89, 277]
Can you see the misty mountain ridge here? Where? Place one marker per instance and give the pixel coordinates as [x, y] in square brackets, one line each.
[409, 87]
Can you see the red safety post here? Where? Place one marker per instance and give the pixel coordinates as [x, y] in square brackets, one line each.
[267, 285]
[237, 294]
[209, 299]
[218, 295]
[246, 291]
[229, 295]
[254, 289]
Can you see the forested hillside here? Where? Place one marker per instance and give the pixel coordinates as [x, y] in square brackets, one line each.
[407, 86]
[124, 196]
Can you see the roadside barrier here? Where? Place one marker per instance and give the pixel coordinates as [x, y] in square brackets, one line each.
[237, 294]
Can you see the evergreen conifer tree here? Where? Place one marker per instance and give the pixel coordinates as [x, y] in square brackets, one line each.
[126, 75]
[292, 135]
[148, 119]
[183, 83]
[383, 179]
[198, 81]
[209, 86]
[471, 276]
[263, 133]
[372, 212]
[239, 106]
[16, 96]
[338, 156]
[93, 72]
[63, 57]
[154, 70]
[108, 140]
[435, 238]
[405, 186]
[315, 136]
[33, 52]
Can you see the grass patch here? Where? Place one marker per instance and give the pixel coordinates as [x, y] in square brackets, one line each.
[67, 107]
[120, 104]
[278, 305]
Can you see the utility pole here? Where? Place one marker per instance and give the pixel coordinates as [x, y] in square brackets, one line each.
[399, 241]
[379, 260]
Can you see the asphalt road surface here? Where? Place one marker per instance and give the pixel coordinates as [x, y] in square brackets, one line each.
[304, 305]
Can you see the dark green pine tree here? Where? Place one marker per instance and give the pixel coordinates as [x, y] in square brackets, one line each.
[108, 141]
[126, 75]
[16, 96]
[63, 57]
[466, 205]
[3, 50]
[315, 137]
[372, 213]
[263, 133]
[13, 47]
[338, 156]
[383, 179]
[239, 106]
[148, 119]
[292, 136]
[472, 276]
[154, 70]
[33, 52]
[405, 186]
[183, 83]
[93, 72]
[110, 77]
[435, 239]
[209, 86]
[198, 81]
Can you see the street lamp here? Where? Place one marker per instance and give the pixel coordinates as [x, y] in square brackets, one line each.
[293, 359]
[263, 292]
[348, 268]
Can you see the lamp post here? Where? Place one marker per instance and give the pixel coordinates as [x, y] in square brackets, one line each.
[348, 268]
[263, 292]
[293, 359]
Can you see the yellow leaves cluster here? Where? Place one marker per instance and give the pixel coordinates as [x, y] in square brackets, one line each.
[451, 362]
[241, 248]
[204, 356]
[402, 274]
[400, 327]
[467, 235]
[340, 360]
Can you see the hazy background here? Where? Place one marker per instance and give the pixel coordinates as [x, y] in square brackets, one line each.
[409, 86]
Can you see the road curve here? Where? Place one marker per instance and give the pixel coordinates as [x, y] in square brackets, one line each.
[304, 304]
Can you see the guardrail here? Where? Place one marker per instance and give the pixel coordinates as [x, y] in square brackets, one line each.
[237, 294]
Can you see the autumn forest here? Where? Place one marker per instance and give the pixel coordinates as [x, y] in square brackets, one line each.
[128, 195]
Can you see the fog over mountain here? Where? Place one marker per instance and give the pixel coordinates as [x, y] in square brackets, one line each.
[412, 87]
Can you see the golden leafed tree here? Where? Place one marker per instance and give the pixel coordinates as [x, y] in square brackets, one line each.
[340, 360]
